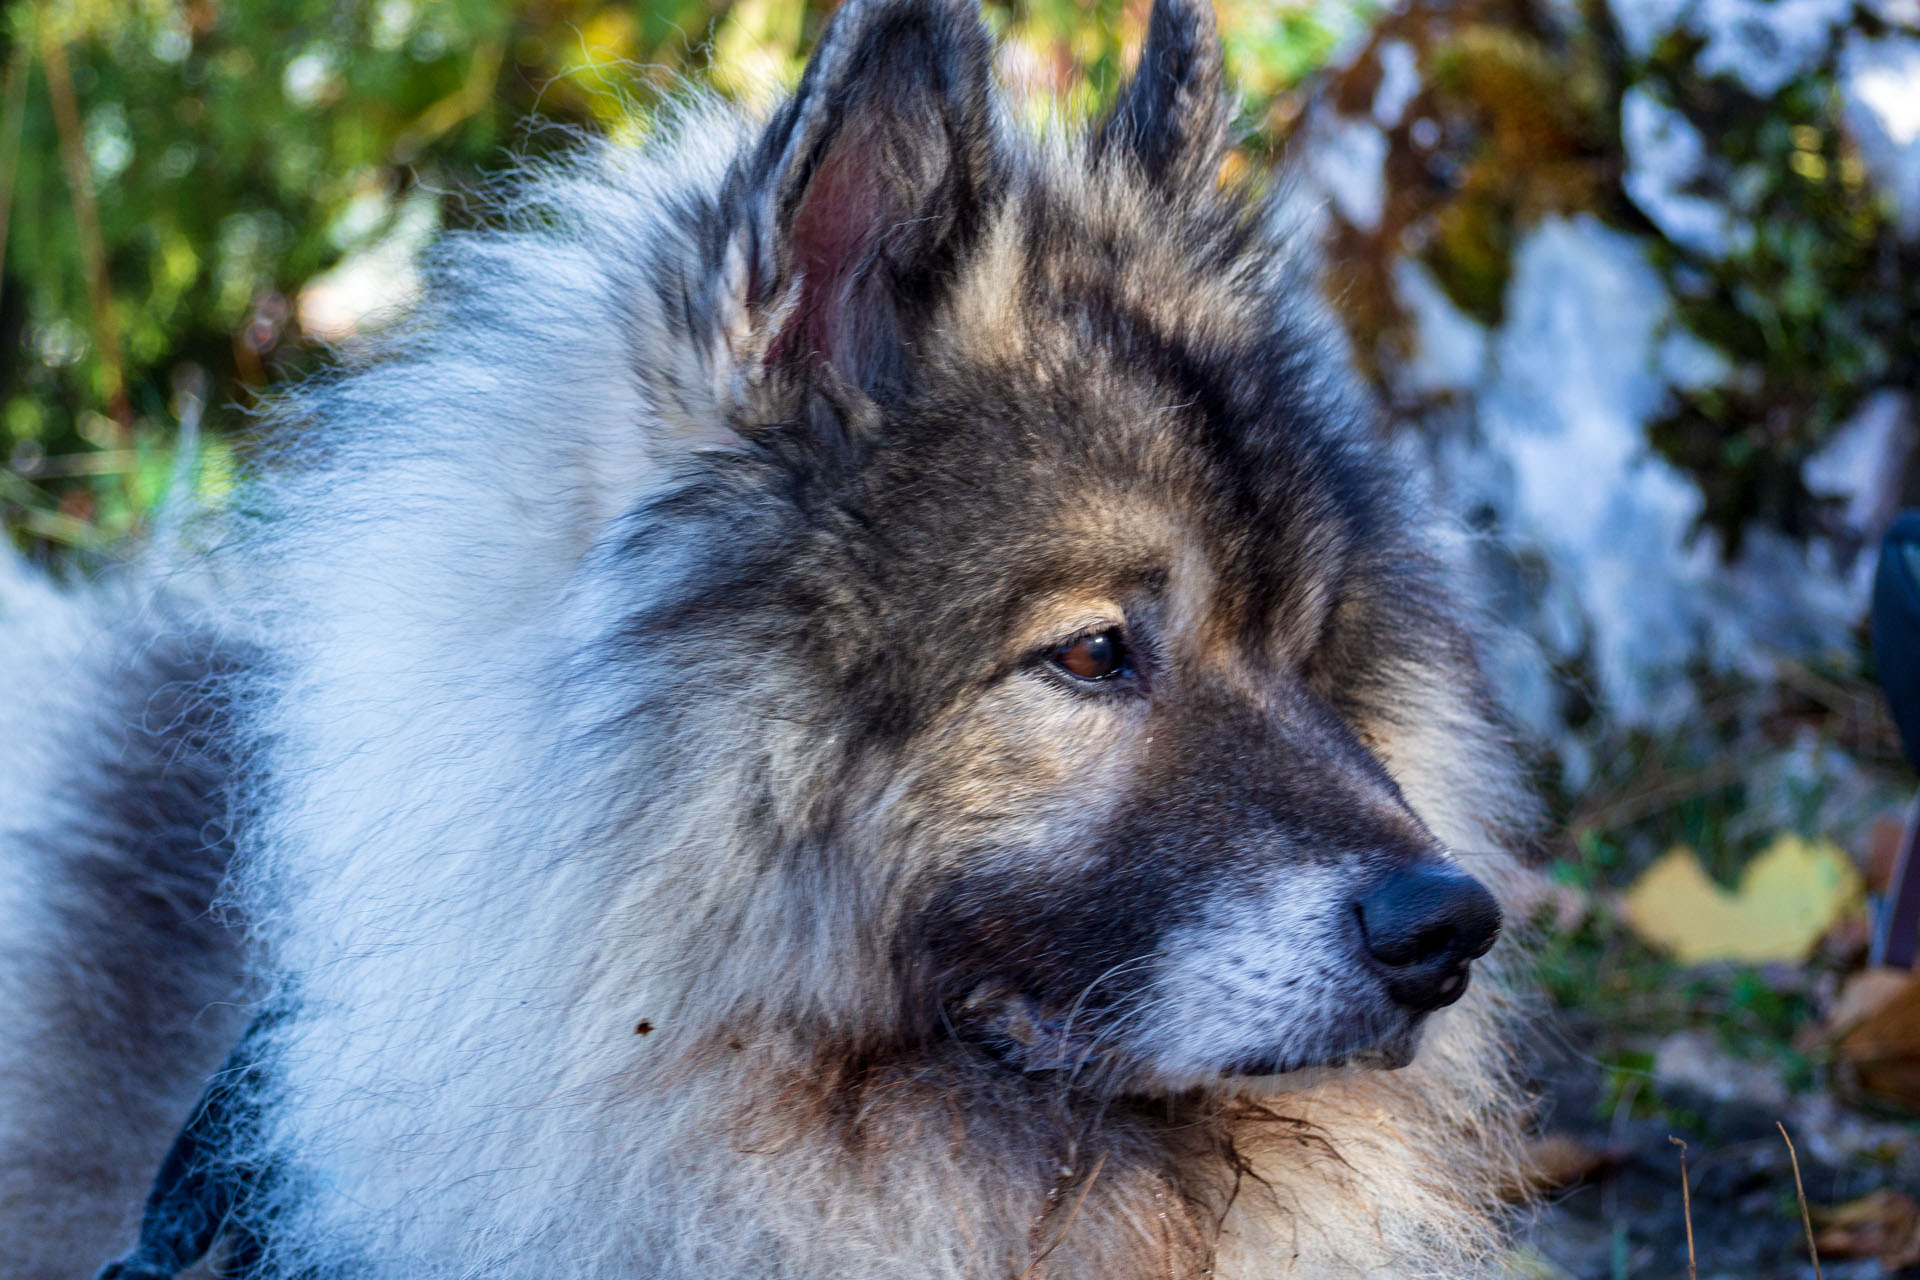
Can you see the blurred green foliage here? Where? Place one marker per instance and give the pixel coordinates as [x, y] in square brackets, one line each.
[215, 158]
[234, 152]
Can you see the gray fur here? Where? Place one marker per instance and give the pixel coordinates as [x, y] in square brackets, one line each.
[119, 977]
[668, 832]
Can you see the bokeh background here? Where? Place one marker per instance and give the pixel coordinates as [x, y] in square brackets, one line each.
[1637, 281]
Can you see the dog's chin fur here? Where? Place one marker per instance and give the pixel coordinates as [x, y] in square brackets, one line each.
[553, 1012]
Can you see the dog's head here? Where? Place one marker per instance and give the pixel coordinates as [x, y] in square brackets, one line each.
[1082, 616]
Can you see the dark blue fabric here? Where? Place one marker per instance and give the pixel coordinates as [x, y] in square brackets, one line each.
[1896, 627]
[203, 1185]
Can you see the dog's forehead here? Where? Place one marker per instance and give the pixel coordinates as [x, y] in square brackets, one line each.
[1086, 242]
[1146, 410]
[1078, 489]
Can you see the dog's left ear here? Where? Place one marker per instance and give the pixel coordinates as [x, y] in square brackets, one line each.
[1171, 119]
[867, 185]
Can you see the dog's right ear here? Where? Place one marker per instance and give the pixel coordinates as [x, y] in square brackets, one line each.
[1171, 119]
[864, 188]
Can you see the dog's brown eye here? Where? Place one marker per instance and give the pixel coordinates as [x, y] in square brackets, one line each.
[1094, 657]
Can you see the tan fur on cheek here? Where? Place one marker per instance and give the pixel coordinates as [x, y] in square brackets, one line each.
[1029, 761]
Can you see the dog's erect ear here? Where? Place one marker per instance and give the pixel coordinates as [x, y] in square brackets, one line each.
[868, 183]
[1171, 119]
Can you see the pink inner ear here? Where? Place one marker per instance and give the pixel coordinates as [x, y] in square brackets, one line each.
[835, 227]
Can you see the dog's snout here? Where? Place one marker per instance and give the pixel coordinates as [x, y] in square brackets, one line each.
[1424, 924]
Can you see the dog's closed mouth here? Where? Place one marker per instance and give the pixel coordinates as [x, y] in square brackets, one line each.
[1302, 1070]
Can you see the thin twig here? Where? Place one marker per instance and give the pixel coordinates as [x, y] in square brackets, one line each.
[86, 218]
[1686, 1207]
[1071, 1215]
[10, 128]
[1806, 1218]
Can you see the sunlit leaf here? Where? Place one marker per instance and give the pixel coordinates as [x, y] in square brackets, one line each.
[1787, 898]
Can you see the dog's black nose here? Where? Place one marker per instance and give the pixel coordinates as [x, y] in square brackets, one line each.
[1424, 924]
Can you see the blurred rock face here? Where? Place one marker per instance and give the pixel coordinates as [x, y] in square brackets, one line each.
[1644, 287]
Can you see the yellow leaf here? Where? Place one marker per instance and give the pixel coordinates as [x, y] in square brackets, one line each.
[1788, 896]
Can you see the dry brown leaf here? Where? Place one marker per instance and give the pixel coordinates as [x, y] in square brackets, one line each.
[1883, 1048]
[1788, 897]
[1883, 1225]
[1865, 994]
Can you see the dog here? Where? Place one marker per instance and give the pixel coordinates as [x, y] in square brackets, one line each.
[851, 693]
